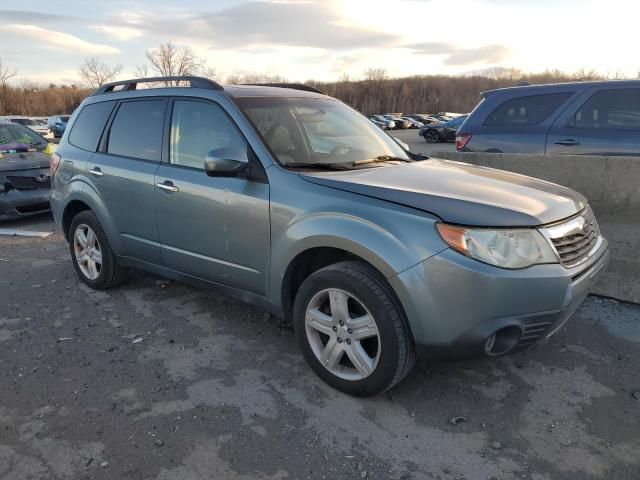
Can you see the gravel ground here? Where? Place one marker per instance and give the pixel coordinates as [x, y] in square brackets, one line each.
[159, 380]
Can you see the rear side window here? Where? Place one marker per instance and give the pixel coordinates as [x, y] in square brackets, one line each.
[617, 109]
[136, 130]
[89, 125]
[526, 111]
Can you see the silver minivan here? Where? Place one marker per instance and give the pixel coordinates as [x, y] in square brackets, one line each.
[288, 199]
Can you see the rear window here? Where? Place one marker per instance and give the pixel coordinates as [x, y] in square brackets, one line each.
[88, 127]
[526, 111]
[617, 109]
[136, 130]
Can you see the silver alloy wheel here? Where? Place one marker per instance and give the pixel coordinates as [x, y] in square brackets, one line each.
[88, 252]
[342, 334]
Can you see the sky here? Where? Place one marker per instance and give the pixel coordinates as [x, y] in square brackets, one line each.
[46, 41]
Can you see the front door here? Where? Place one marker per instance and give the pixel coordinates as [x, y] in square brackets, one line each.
[606, 123]
[210, 227]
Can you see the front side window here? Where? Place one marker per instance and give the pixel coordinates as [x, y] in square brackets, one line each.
[136, 130]
[305, 131]
[88, 126]
[526, 111]
[617, 109]
[198, 128]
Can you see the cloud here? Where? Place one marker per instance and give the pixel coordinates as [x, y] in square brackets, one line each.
[309, 24]
[119, 33]
[59, 40]
[456, 56]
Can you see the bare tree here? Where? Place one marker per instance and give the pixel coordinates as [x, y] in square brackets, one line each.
[376, 74]
[6, 74]
[96, 73]
[169, 60]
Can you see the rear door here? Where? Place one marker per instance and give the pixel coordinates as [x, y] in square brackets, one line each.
[123, 170]
[604, 122]
[210, 227]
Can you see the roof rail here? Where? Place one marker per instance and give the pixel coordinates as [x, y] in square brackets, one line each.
[128, 85]
[293, 86]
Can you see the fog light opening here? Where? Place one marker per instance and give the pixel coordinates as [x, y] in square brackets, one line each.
[502, 341]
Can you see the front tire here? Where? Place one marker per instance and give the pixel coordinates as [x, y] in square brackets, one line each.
[351, 329]
[91, 253]
[431, 136]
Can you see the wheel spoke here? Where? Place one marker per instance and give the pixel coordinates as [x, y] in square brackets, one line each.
[332, 353]
[82, 238]
[83, 257]
[97, 256]
[91, 238]
[91, 267]
[360, 359]
[339, 305]
[319, 321]
[362, 327]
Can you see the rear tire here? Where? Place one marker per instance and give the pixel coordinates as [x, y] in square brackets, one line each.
[91, 253]
[351, 329]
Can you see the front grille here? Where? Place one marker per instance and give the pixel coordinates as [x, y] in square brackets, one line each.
[30, 183]
[574, 239]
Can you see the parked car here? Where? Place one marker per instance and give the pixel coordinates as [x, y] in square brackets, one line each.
[24, 172]
[380, 124]
[400, 123]
[414, 123]
[37, 126]
[443, 131]
[57, 124]
[585, 118]
[359, 246]
[391, 125]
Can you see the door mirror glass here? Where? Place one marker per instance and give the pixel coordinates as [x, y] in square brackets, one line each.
[226, 162]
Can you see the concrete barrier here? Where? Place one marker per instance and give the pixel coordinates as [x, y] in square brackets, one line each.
[612, 186]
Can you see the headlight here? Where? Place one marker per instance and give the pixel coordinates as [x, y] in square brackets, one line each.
[505, 248]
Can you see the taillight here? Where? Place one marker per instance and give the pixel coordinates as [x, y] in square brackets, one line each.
[53, 163]
[461, 140]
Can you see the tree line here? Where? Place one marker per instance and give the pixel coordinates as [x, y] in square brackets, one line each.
[374, 93]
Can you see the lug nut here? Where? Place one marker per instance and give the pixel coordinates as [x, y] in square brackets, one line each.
[348, 341]
[335, 329]
[339, 340]
[341, 323]
[350, 331]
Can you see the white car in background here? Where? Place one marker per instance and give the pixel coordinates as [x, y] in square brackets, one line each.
[37, 125]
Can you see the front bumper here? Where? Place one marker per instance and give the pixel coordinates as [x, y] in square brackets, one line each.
[23, 203]
[454, 303]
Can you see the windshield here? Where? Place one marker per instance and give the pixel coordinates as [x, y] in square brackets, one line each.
[12, 135]
[305, 131]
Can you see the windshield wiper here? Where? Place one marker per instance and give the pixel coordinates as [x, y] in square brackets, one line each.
[319, 165]
[381, 158]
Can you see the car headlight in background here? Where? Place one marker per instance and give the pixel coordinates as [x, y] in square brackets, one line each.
[505, 248]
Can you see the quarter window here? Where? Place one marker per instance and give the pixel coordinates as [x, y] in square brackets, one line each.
[617, 109]
[89, 125]
[526, 111]
[198, 128]
[136, 130]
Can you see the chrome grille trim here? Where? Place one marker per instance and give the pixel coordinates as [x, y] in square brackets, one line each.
[575, 239]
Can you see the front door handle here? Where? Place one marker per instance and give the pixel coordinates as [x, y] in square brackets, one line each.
[96, 172]
[568, 142]
[167, 186]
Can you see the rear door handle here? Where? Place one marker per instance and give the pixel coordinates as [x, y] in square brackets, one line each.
[95, 171]
[167, 186]
[568, 142]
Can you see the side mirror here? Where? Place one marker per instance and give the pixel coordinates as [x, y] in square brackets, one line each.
[226, 162]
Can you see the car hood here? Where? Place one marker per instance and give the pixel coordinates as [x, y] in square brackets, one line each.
[10, 161]
[460, 193]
